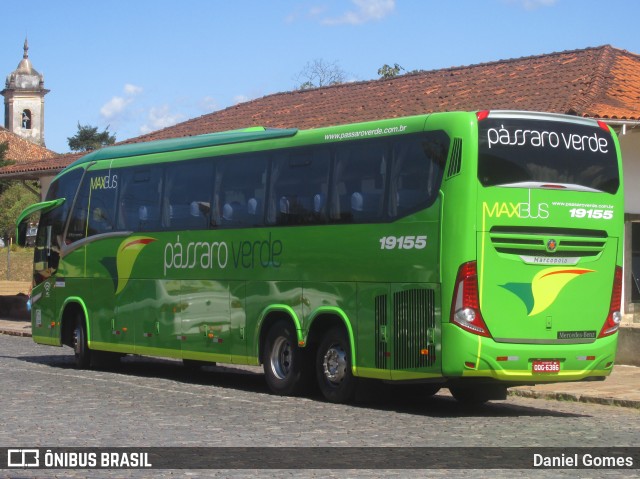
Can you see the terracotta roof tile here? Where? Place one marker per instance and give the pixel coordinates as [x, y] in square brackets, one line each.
[600, 82]
[39, 167]
[23, 151]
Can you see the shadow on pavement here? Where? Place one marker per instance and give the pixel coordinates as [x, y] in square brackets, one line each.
[371, 394]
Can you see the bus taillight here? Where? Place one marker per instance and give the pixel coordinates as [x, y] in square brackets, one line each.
[614, 317]
[465, 308]
[481, 115]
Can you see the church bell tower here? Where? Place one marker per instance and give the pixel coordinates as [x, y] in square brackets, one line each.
[24, 101]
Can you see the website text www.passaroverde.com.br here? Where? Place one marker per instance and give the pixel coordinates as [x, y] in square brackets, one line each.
[364, 133]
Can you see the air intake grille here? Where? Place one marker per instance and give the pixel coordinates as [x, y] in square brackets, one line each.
[569, 242]
[381, 325]
[456, 158]
[413, 319]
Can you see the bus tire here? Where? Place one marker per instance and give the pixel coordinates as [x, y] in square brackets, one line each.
[333, 367]
[283, 361]
[81, 351]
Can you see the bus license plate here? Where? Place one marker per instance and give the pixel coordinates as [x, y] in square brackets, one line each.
[549, 366]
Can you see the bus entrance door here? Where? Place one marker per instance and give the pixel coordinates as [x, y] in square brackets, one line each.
[45, 328]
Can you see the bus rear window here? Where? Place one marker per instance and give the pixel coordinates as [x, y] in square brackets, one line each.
[515, 152]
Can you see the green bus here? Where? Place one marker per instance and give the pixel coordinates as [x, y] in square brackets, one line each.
[468, 250]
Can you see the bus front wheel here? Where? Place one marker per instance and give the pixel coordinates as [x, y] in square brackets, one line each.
[283, 360]
[333, 367]
[81, 351]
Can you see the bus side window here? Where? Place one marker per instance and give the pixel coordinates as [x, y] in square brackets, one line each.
[139, 203]
[78, 218]
[416, 172]
[104, 194]
[94, 209]
[299, 187]
[78, 221]
[359, 179]
[239, 188]
[188, 194]
[100, 220]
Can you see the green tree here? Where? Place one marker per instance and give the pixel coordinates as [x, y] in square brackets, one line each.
[87, 138]
[386, 71]
[15, 199]
[4, 147]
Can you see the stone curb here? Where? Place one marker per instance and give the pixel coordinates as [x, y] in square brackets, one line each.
[11, 332]
[605, 401]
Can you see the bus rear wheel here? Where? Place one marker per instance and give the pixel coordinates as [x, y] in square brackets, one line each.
[81, 351]
[333, 367]
[283, 361]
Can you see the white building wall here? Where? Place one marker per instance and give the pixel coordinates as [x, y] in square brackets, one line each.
[45, 182]
[630, 148]
[34, 104]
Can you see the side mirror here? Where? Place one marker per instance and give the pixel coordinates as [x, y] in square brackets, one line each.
[22, 223]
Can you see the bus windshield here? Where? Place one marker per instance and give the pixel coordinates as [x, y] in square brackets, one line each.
[530, 153]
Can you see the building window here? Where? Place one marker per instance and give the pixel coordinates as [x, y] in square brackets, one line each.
[26, 119]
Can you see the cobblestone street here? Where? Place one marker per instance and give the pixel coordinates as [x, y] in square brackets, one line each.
[151, 403]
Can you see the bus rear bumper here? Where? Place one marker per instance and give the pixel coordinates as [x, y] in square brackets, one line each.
[466, 355]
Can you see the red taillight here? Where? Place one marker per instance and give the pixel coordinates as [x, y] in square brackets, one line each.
[603, 125]
[465, 307]
[481, 115]
[614, 317]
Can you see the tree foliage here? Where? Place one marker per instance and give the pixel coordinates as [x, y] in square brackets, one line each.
[15, 199]
[318, 72]
[386, 71]
[4, 147]
[87, 138]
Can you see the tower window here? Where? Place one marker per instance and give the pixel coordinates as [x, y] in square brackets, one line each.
[26, 119]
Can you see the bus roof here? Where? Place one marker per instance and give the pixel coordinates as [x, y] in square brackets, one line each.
[186, 143]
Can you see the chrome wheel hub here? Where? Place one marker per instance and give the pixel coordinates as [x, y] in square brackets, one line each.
[281, 358]
[77, 340]
[334, 364]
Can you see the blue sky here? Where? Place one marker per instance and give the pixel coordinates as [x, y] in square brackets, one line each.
[140, 65]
